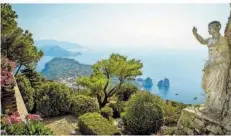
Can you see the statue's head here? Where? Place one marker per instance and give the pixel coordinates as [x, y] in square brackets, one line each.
[214, 27]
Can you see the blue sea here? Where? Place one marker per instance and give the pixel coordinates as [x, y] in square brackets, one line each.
[183, 68]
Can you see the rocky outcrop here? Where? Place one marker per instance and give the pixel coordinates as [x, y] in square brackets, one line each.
[140, 80]
[164, 83]
[195, 122]
[147, 83]
[227, 98]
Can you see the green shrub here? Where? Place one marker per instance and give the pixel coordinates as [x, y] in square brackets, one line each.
[126, 90]
[143, 114]
[81, 104]
[95, 124]
[29, 128]
[85, 92]
[172, 111]
[53, 99]
[26, 90]
[106, 112]
[117, 108]
[35, 78]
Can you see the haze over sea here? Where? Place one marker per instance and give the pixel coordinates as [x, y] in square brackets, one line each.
[159, 34]
[183, 67]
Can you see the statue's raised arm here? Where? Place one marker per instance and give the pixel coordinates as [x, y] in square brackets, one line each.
[198, 37]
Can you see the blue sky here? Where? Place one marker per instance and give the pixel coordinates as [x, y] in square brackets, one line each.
[127, 26]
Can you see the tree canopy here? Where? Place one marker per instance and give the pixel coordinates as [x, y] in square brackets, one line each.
[17, 44]
[117, 67]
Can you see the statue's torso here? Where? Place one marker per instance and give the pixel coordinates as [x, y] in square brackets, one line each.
[216, 48]
[215, 76]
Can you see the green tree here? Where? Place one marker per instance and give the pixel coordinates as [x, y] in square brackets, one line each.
[17, 44]
[36, 81]
[126, 90]
[35, 78]
[8, 27]
[117, 66]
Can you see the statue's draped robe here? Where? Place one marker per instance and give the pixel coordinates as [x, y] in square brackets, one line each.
[215, 76]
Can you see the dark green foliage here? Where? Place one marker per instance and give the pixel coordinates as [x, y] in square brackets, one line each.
[172, 111]
[81, 104]
[117, 108]
[106, 112]
[53, 99]
[86, 92]
[29, 128]
[35, 78]
[95, 124]
[17, 44]
[143, 114]
[126, 90]
[63, 68]
[26, 90]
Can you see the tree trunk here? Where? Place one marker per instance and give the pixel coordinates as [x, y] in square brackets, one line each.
[18, 69]
[113, 90]
[99, 100]
[102, 104]
[104, 100]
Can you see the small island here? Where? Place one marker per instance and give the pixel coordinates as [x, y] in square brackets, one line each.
[62, 68]
[147, 83]
[144, 83]
[164, 83]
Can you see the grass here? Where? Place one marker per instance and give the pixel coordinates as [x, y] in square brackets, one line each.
[61, 125]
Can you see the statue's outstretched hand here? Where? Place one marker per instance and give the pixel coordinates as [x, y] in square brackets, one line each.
[194, 30]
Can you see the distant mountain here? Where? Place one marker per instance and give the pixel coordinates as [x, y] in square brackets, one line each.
[57, 51]
[62, 44]
[63, 68]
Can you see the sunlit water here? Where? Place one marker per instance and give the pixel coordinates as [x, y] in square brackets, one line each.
[183, 68]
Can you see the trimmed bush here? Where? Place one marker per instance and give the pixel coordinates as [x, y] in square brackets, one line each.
[117, 108]
[106, 112]
[95, 124]
[126, 90]
[81, 104]
[143, 114]
[27, 91]
[53, 99]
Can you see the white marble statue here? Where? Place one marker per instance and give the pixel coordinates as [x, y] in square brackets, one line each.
[216, 68]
